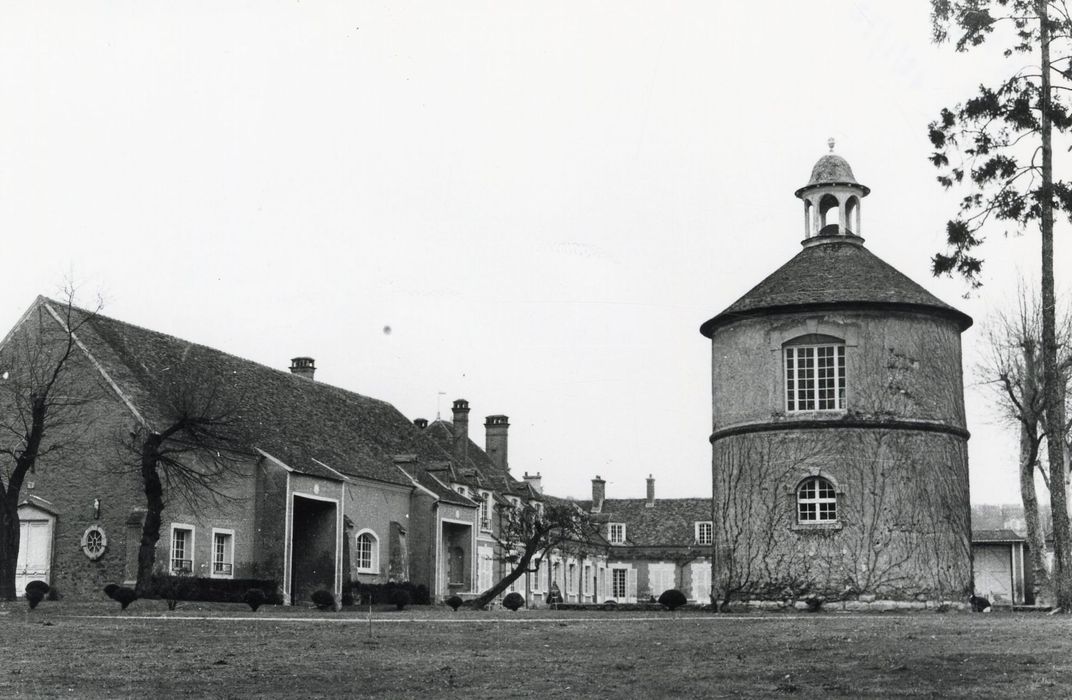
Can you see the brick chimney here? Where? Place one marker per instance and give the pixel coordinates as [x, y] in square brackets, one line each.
[535, 481]
[495, 429]
[421, 423]
[461, 431]
[651, 492]
[599, 493]
[303, 367]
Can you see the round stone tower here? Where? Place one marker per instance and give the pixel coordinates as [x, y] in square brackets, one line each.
[840, 462]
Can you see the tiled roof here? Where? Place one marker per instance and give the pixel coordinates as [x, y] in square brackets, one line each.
[979, 536]
[479, 471]
[670, 522]
[296, 420]
[833, 273]
[429, 480]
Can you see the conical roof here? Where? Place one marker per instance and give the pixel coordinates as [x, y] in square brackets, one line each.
[834, 274]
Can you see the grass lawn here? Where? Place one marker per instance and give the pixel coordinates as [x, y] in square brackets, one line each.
[61, 649]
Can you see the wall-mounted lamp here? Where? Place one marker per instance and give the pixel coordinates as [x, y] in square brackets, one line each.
[96, 509]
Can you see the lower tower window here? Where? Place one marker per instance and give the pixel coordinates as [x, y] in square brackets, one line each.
[816, 501]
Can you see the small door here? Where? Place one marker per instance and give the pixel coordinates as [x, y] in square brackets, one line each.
[35, 553]
[993, 572]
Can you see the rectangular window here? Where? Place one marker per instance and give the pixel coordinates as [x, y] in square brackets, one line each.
[571, 573]
[617, 533]
[704, 532]
[815, 378]
[587, 586]
[618, 583]
[182, 549]
[222, 553]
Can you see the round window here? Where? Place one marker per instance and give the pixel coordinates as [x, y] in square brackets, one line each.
[94, 542]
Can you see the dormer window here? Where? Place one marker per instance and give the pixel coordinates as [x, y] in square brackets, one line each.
[814, 374]
[704, 532]
[617, 533]
[485, 510]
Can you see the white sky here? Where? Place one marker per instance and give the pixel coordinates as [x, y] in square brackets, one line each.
[542, 200]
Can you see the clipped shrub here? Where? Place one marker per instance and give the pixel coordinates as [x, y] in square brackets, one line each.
[120, 594]
[323, 600]
[610, 605]
[813, 603]
[35, 592]
[672, 599]
[513, 601]
[254, 598]
[454, 602]
[400, 598]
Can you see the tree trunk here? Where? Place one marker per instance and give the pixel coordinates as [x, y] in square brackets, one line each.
[1035, 538]
[1054, 411]
[9, 547]
[520, 568]
[154, 501]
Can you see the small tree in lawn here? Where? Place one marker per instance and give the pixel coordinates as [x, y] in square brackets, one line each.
[44, 408]
[528, 533]
[1004, 137]
[187, 455]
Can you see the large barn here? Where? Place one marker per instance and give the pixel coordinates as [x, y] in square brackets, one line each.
[840, 463]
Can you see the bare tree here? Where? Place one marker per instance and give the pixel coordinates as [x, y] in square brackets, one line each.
[196, 446]
[527, 533]
[44, 403]
[1013, 369]
[1004, 136]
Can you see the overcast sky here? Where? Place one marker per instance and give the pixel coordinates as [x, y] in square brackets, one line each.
[541, 201]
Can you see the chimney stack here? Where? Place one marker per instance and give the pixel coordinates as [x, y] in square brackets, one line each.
[535, 481]
[303, 367]
[599, 493]
[495, 430]
[461, 431]
[651, 492]
[421, 423]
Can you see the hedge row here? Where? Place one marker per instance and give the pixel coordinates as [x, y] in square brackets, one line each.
[385, 593]
[216, 590]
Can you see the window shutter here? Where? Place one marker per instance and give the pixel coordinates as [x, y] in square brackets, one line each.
[631, 584]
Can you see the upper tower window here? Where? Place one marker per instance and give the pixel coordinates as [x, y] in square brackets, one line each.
[814, 374]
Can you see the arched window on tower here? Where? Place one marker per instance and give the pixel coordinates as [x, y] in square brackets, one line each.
[816, 501]
[814, 373]
[829, 215]
[852, 215]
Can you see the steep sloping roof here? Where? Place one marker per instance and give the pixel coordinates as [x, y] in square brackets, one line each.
[299, 421]
[833, 274]
[670, 522]
[479, 470]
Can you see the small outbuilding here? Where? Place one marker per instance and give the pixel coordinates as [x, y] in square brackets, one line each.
[1000, 574]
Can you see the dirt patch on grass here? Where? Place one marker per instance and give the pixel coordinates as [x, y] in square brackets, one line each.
[58, 650]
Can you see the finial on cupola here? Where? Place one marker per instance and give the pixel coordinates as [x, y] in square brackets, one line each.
[832, 201]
